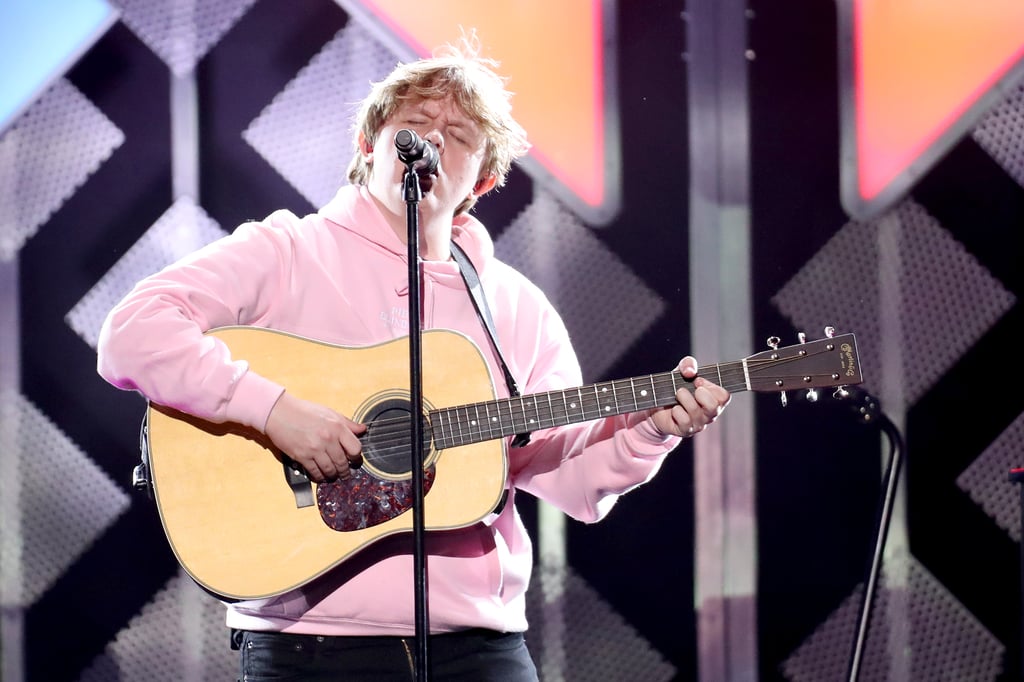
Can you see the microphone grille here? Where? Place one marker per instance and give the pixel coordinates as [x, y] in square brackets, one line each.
[404, 140]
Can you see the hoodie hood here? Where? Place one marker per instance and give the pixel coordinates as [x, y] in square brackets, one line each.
[354, 210]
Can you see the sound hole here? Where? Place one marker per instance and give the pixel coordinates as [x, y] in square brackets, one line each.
[387, 442]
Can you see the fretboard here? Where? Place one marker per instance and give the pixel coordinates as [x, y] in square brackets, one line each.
[466, 424]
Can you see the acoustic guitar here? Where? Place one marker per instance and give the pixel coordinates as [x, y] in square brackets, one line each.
[246, 523]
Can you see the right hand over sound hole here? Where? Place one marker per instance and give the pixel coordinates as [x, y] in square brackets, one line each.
[324, 443]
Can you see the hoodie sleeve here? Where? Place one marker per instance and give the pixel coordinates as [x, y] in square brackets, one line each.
[154, 340]
[582, 468]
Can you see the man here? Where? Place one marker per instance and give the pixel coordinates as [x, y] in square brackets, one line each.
[340, 276]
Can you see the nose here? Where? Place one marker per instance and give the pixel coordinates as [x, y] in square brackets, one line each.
[435, 137]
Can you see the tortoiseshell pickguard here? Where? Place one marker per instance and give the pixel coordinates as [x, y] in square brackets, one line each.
[364, 500]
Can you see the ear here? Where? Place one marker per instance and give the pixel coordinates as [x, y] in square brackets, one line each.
[365, 148]
[485, 184]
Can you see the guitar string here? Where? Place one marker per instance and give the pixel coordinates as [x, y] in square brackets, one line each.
[397, 437]
[391, 435]
[545, 418]
[583, 392]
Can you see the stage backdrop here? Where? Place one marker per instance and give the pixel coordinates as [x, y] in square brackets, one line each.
[100, 186]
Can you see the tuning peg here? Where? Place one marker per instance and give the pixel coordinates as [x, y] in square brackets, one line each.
[841, 392]
[812, 395]
[802, 337]
[773, 342]
[830, 332]
[783, 398]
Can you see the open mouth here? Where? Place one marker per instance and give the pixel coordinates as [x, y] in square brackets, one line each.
[427, 182]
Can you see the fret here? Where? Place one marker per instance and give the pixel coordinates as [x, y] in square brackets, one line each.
[453, 418]
[553, 407]
[665, 383]
[739, 380]
[605, 407]
[538, 406]
[646, 396]
[529, 412]
[572, 406]
[494, 422]
[563, 417]
[577, 405]
[653, 380]
[511, 424]
[460, 420]
[477, 426]
[472, 425]
[455, 426]
[500, 421]
[522, 411]
[515, 409]
[598, 406]
[438, 430]
[624, 393]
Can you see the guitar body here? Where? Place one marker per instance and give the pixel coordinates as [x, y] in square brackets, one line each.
[231, 517]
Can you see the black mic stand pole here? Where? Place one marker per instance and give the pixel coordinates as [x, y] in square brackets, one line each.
[870, 412]
[412, 192]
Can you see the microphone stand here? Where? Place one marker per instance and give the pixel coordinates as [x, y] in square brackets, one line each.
[412, 193]
[869, 411]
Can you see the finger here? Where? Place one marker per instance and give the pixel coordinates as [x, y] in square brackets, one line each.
[688, 366]
[346, 458]
[687, 400]
[351, 447]
[721, 394]
[349, 444]
[326, 464]
[330, 456]
[684, 420]
[313, 471]
[356, 427]
[709, 404]
[698, 414]
[689, 425]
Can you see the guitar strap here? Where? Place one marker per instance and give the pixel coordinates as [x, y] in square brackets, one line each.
[476, 292]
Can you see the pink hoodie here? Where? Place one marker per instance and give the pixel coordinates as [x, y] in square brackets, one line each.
[340, 276]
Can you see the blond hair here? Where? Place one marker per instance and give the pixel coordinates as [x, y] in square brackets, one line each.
[455, 71]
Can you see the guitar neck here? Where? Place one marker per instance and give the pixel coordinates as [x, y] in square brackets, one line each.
[466, 424]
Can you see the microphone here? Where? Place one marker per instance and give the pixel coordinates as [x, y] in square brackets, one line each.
[416, 152]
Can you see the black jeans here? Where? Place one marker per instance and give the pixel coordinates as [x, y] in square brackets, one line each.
[472, 655]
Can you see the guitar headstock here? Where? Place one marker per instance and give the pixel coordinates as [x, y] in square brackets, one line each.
[828, 362]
